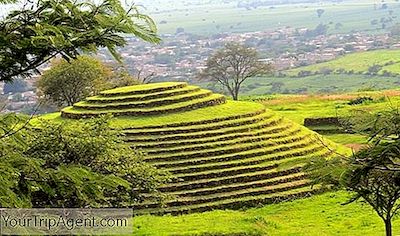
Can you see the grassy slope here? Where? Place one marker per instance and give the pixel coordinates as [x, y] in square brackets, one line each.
[319, 215]
[228, 109]
[359, 62]
[203, 18]
[142, 87]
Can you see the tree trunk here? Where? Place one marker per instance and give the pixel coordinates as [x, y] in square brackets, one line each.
[388, 227]
[234, 96]
[236, 93]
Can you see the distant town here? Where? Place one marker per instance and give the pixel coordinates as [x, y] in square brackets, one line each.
[181, 56]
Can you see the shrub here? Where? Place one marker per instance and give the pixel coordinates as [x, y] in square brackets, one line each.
[70, 164]
[360, 100]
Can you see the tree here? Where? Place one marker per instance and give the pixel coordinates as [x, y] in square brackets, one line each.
[338, 26]
[374, 69]
[372, 174]
[179, 30]
[144, 78]
[71, 164]
[69, 82]
[320, 12]
[44, 29]
[320, 29]
[232, 65]
[395, 30]
[121, 77]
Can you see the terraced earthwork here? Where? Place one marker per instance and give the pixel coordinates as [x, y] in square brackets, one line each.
[223, 154]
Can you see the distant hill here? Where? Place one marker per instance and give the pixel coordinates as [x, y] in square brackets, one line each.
[378, 62]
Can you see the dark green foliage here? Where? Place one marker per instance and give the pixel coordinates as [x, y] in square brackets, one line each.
[321, 29]
[320, 12]
[360, 100]
[75, 164]
[69, 82]
[44, 29]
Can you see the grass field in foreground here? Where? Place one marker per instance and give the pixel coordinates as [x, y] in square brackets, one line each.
[321, 215]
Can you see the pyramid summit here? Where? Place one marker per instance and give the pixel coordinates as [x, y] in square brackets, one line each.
[143, 100]
[223, 154]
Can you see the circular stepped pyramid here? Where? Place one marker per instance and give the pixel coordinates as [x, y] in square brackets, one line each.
[223, 154]
[151, 99]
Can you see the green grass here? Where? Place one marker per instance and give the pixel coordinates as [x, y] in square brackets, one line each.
[141, 97]
[142, 87]
[207, 113]
[347, 138]
[144, 104]
[203, 127]
[289, 131]
[299, 107]
[322, 215]
[213, 99]
[358, 62]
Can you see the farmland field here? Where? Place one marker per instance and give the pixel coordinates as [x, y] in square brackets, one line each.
[212, 17]
[348, 73]
[358, 62]
[299, 107]
[316, 84]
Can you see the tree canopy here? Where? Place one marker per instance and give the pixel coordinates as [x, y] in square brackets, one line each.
[232, 65]
[70, 164]
[44, 29]
[66, 83]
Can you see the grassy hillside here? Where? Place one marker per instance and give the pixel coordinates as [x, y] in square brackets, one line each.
[223, 154]
[321, 215]
[360, 62]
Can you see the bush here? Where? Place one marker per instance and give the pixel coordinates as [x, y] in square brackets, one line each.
[321, 121]
[71, 164]
[360, 100]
